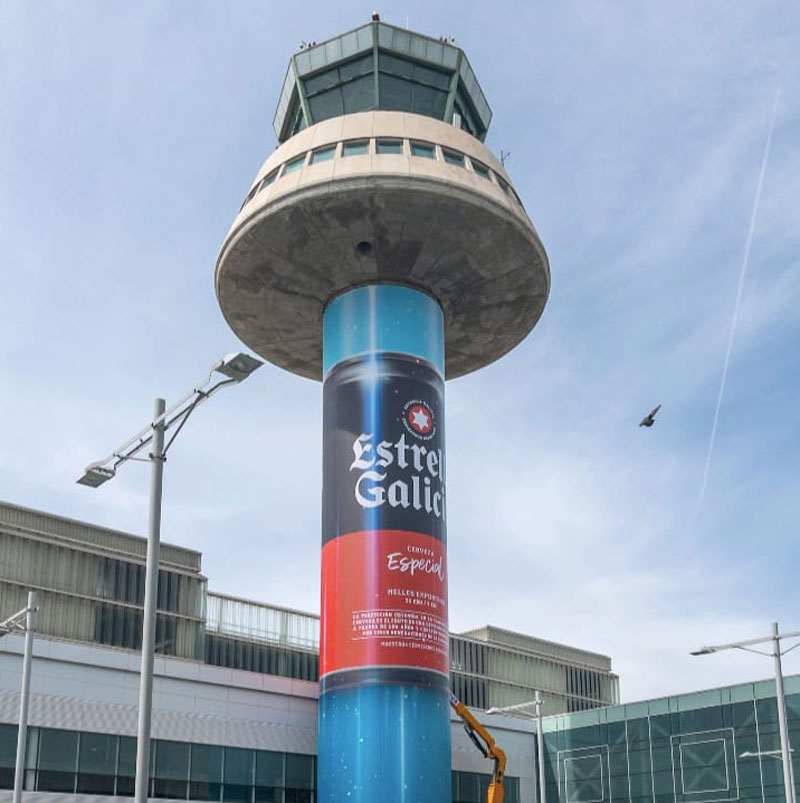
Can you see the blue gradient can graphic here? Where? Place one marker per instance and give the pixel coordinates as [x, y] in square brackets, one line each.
[384, 729]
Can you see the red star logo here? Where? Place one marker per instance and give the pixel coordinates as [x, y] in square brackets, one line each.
[420, 419]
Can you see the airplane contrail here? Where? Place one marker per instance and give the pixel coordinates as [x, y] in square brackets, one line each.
[735, 318]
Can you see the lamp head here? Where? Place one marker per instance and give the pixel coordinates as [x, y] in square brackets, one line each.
[95, 476]
[237, 366]
[703, 651]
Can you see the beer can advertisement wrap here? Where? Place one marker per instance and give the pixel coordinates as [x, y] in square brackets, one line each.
[384, 725]
[384, 570]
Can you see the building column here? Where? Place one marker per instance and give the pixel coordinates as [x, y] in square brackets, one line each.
[384, 722]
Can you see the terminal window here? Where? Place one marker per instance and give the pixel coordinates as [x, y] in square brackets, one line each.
[423, 149]
[355, 148]
[480, 168]
[583, 779]
[341, 90]
[453, 157]
[704, 767]
[323, 154]
[295, 164]
[389, 146]
[406, 86]
[267, 180]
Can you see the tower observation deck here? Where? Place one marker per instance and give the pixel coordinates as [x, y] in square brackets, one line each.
[379, 66]
[382, 248]
[381, 175]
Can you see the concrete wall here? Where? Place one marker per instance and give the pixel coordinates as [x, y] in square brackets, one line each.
[80, 687]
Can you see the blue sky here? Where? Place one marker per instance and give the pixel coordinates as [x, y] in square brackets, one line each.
[129, 134]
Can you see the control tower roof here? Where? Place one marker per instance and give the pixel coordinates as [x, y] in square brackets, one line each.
[381, 67]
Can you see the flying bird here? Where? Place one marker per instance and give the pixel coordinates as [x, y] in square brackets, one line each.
[650, 418]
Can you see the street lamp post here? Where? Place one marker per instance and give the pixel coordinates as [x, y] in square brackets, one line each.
[540, 745]
[157, 456]
[236, 368]
[11, 625]
[521, 709]
[780, 698]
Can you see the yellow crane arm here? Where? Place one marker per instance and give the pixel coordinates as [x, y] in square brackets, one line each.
[484, 741]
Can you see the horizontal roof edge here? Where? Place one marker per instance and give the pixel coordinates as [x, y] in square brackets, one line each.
[475, 634]
[8, 506]
[616, 713]
[330, 39]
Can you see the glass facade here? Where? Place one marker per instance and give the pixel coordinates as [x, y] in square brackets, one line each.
[97, 763]
[259, 657]
[256, 621]
[69, 761]
[102, 764]
[471, 787]
[274, 641]
[361, 147]
[92, 592]
[8, 752]
[379, 66]
[86, 595]
[407, 86]
[694, 748]
[260, 638]
[463, 116]
[345, 89]
[485, 672]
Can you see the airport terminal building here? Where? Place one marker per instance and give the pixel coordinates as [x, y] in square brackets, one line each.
[236, 681]
[235, 695]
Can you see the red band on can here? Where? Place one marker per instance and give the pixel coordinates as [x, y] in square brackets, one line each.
[384, 601]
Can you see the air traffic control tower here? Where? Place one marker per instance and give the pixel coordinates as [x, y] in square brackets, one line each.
[381, 249]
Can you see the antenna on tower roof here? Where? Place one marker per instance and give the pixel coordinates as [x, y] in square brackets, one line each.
[504, 154]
